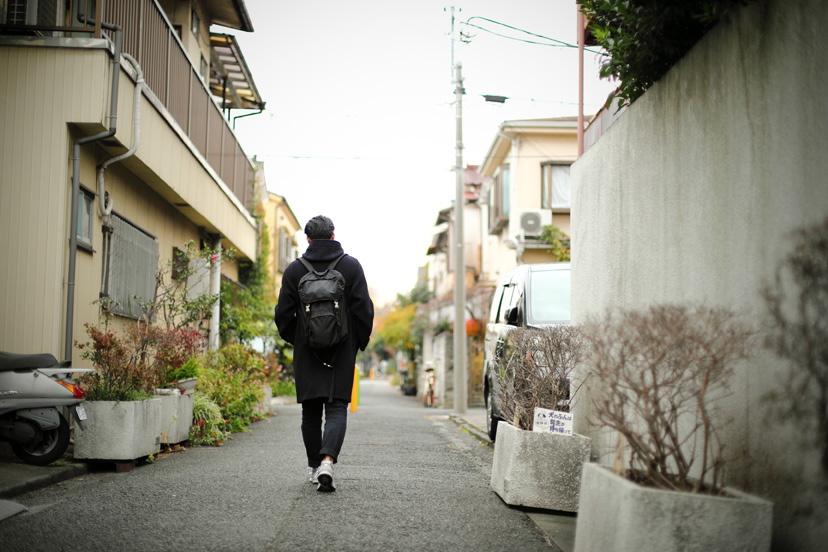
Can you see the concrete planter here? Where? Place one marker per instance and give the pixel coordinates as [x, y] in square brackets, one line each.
[124, 430]
[538, 470]
[176, 415]
[263, 407]
[619, 515]
[187, 386]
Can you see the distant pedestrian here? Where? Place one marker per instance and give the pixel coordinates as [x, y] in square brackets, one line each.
[324, 376]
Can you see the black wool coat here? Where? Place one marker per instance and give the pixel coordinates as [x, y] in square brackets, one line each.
[313, 378]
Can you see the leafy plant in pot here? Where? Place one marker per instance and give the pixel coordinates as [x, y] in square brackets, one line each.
[534, 469]
[124, 422]
[123, 419]
[656, 377]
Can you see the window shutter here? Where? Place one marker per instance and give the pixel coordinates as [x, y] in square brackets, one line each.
[133, 264]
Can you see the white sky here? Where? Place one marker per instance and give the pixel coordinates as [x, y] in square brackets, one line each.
[360, 124]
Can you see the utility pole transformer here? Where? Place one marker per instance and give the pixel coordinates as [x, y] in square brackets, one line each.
[460, 387]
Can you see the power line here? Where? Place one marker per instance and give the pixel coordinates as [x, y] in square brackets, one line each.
[560, 43]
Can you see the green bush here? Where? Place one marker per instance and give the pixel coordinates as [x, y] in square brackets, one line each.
[645, 38]
[208, 426]
[188, 370]
[285, 388]
[232, 378]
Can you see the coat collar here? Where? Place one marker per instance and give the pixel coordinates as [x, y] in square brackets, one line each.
[323, 250]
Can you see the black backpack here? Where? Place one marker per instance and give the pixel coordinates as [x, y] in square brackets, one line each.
[322, 306]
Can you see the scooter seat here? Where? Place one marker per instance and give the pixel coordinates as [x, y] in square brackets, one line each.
[15, 361]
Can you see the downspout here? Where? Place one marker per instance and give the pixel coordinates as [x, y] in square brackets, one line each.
[73, 224]
[259, 112]
[215, 289]
[104, 199]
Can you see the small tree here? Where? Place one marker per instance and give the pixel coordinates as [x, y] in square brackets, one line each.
[538, 371]
[797, 302]
[645, 38]
[655, 376]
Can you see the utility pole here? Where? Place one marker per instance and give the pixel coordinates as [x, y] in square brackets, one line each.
[460, 399]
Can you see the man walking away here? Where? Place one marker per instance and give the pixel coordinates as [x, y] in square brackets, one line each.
[325, 340]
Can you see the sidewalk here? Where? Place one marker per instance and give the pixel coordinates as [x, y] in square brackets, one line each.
[559, 527]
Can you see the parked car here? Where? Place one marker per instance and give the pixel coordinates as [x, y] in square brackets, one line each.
[529, 296]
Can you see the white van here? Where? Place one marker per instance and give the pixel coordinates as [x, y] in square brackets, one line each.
[528, 296]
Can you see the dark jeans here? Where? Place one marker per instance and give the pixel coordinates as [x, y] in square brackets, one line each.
[318, 444]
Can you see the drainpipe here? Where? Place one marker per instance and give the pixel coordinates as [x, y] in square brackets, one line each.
[73, 224]
[215, 289]
[259, 112]
[105, 200]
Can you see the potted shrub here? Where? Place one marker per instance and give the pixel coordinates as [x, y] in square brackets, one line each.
[530, 468]
[654, 377]
[209, 425]
[123, 416]
[124, 420]
[181, 378]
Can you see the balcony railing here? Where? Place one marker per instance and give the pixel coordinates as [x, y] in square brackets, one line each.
[168, 71]
[601, 123]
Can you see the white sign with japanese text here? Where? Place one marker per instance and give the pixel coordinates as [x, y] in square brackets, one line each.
[552, 421]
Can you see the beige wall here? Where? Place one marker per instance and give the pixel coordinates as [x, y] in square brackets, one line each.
[277, 214]
[690, 197]
[34, 186]
[49, 89]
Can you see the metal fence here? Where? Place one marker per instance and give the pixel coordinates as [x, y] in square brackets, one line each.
[174, 79]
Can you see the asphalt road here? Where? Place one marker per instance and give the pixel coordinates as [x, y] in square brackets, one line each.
[408, 479]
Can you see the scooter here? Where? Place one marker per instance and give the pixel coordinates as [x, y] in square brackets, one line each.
[36, 396]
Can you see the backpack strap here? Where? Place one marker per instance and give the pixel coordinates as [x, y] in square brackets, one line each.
[331, 266]
[305, 262]
[335, 262]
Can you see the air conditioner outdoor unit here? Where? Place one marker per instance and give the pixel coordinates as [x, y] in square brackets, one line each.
[531, 222]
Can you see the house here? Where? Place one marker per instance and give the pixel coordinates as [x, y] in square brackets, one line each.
[692, 198]
[84, 213]
[281, 225]
[526, 171]
[442, 261]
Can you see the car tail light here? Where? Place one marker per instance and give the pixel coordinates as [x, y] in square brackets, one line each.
[76, 390]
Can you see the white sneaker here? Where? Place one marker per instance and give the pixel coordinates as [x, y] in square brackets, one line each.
[325, 477]
[312, 475]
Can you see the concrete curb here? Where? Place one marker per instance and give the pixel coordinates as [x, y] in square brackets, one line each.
[473, 430]
[16, 479]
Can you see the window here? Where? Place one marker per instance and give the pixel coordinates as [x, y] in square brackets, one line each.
[16, 13]
[550, 303]
[286, 248]
[195, 22]
[132, 267]
[86, 203]
[499, 199]
[509, 300]
[555, 186]
[494, 309]
[180, 262]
